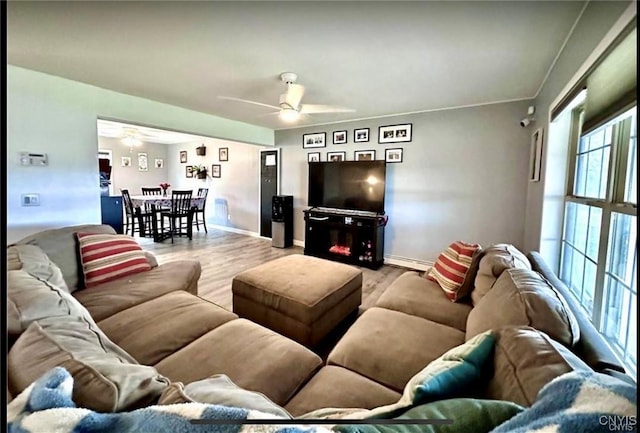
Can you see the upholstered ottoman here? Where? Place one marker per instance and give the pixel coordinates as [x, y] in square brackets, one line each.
[301, 297]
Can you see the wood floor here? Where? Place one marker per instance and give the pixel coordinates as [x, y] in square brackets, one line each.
[222, 255]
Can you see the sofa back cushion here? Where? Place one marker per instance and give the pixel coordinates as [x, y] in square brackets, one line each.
[495, 259]
[105, 377]
[30, 298]
[521, 297]
[525, 360]
[31, 259]
[60, 246]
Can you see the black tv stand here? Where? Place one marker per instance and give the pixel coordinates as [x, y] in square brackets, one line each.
[348, 236]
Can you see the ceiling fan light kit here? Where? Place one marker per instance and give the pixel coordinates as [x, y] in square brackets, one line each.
[289, 106]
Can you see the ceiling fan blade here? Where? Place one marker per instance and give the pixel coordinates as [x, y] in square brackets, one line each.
[231, 98]
[294, 95]
[269, 114]
[311, 108]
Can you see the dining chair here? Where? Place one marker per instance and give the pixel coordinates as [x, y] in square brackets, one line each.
[151, 191]
[134, 214]
[202, 193]
[179, 214]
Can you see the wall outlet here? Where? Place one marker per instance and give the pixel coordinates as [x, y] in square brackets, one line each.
[30, 199]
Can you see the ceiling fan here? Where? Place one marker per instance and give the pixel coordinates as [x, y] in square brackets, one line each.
[290, 108]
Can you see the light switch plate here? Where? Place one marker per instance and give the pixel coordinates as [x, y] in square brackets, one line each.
[30, 199]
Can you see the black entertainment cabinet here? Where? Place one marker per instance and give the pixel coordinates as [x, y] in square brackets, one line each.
[346, 236]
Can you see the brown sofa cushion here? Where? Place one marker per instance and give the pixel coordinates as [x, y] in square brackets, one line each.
[496, 259]
[106, 378]
[219, 389]
[30, 298]
[168, 322]
[390, 347]
[412, 294]
[31, 259]
[109, 298]
[251, 355]
[60, 246]
[337, 387]
[521, 297]
[525, 360]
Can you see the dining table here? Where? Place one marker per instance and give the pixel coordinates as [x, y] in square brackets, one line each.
[157, 203]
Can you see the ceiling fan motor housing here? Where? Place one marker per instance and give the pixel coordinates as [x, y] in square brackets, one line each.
[289, 77]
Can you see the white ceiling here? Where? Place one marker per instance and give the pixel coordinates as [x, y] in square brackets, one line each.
[380, 58]
[111, 129]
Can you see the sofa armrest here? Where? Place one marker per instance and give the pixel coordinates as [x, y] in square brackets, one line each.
[151, 258]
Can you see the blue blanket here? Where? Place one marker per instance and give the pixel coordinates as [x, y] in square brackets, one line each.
[46, 406]
[579, 401]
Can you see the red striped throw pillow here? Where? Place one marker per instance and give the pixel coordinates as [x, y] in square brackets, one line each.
[451, 267]
[107, 257]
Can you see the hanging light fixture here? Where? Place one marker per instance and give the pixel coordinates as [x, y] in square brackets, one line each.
[131, 138]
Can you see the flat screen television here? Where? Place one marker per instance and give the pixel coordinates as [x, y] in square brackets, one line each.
[353, 185]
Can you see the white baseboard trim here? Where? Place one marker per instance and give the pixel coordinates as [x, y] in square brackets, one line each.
[238, 231]
[407, 262]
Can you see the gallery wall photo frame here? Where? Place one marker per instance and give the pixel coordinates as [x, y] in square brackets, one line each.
[223, 154]
[317, 139]
[535, 158]
[183, 156]
[143, 163]
[395, 133]
[393, 155]
[216, 170]
[125, 161]
[364, 155]
[336, 156]
[313, 157]
[339, 137]
[158, 163]
[188, 171]
[361, 135]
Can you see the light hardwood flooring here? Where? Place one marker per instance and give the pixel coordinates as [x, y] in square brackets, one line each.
[222, 255]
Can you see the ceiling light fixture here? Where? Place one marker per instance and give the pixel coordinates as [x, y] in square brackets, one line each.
[289, 115]
[131, 138]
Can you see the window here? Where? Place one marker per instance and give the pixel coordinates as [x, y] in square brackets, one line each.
[599, 242]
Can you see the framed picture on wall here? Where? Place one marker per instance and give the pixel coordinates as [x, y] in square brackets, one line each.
[361, 135]
[313, 157]
[364, 155]
[223, 154]
[393, 155]
[535, 158]
[394, 133]
[215, 170]
[125, 161]
[318, 139]
[336, 156]
[142, 162]
[189, 171]
[339, 137]
[183, 156]
[159, 163]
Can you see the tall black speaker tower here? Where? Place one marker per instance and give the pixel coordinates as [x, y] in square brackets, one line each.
[282, 221]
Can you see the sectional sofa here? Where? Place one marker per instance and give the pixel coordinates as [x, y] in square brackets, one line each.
[128, 342]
